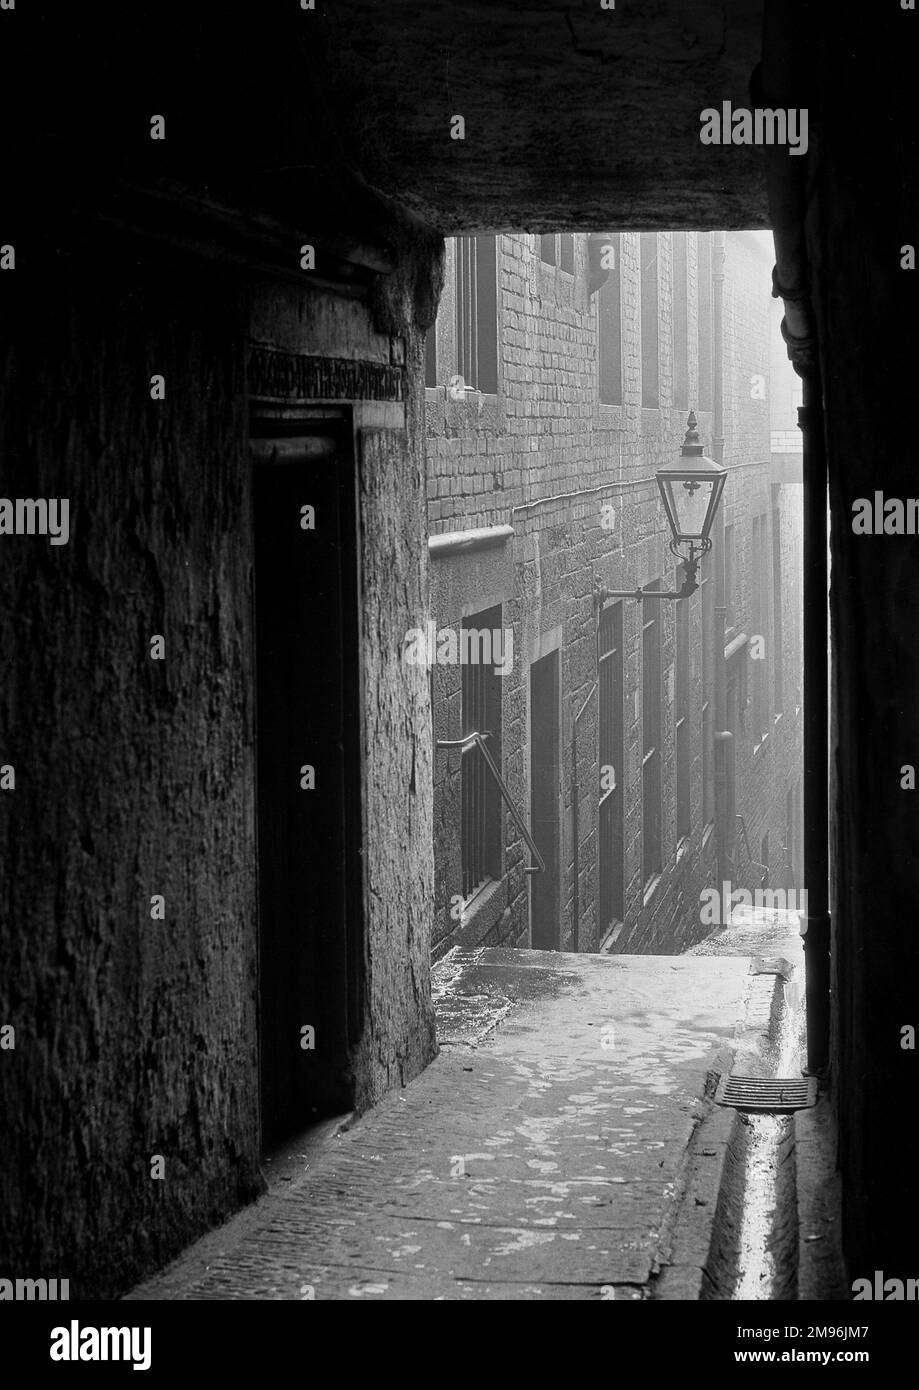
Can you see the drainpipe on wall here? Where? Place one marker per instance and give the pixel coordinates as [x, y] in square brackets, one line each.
[724, 739]
[717, 351]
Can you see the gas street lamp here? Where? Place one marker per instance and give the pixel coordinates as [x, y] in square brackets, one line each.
[690, 488]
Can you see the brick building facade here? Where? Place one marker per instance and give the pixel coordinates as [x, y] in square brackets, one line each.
[560, 374]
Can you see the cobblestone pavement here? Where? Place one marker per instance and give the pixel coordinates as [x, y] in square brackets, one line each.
[756, 931]
[562, 1145]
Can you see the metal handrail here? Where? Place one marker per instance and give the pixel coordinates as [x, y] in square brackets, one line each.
[477, 738]
[755, 862]
[788, 871]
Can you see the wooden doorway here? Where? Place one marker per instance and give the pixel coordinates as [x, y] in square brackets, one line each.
[610, 849]
[308, 796]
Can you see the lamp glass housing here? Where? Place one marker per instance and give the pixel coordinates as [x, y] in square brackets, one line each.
[691, 489]
[690, 502]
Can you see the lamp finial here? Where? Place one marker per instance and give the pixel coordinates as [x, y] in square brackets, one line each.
[691, 445]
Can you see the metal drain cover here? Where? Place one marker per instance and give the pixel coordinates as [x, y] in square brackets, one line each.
[771, 965]
[775, 1094]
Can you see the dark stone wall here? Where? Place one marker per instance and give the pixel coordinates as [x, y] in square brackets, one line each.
[134, 777]
[398, 1039]
[137, 1037]
[575, 116]
[621, 152]
[397, 1026]
[866, 208]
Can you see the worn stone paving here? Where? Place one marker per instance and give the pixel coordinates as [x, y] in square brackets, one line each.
[757, 931]
[546, 1152]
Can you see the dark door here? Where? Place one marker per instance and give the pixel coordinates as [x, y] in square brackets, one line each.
[611, 755]
[544, 786]
[306, 733]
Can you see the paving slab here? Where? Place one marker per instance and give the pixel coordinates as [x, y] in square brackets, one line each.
[562, 1145]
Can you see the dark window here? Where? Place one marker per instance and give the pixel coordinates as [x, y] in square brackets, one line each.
[650, 367]
[728, 577]
[680, 324]
[651, 737]
[610, 819]
[547, 249]
[736, 686]
[778, 635]
[481, 695]
[430, 356]
[609, 313]
[557, 248]
[708, 729]
[681, 714]
[477, 312]
[705, 320]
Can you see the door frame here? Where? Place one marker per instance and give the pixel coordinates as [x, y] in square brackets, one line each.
[547, 646]
[274, 432]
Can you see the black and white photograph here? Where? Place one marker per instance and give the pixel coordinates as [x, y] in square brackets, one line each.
[459, 685]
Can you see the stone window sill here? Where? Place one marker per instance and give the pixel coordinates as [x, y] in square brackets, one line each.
[480, 902]
[651, 888]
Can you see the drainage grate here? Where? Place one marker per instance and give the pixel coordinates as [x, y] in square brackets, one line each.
[776, 1094]
[771, 965]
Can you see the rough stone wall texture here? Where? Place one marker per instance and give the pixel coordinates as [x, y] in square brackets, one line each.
[134, 1037]
[545, 455]
[399, 1024]
[138, 1037]
[867, 207]
[574, 115]
[395, 75]
[397, 1037]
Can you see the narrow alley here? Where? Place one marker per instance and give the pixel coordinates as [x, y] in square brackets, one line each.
[458, 593]
[564, 1144]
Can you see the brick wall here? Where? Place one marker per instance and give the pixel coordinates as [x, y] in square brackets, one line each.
[544, 457]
